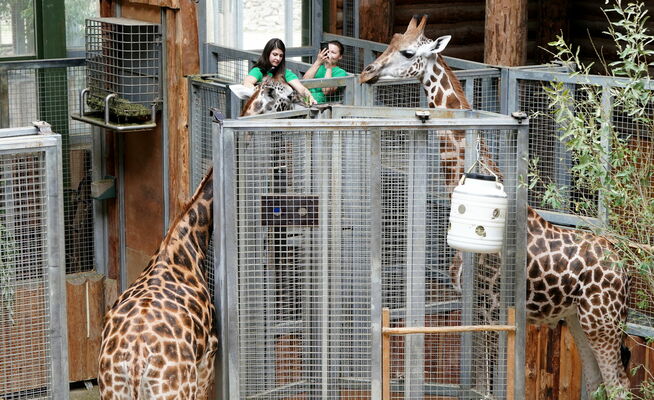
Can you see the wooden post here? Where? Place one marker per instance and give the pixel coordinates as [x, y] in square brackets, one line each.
[386, 355]
[506, 32]
[510, 356]
[378, 20]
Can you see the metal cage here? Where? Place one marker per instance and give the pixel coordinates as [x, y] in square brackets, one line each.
[33, 350]
[123, 60]
[322, 222]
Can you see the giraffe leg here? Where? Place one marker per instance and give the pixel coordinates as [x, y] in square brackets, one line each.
[604, 333]
[592, 374]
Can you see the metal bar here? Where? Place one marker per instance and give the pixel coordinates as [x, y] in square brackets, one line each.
[122, 245]
[316, 25]
[100, 228]
[288, 21]
[563, 77]
[56, 267]
[376, 264]
[501, 122]
[4, 99]
[415, 262]
[42, 64]
[521, 260]
[323, 164]
[226, 249]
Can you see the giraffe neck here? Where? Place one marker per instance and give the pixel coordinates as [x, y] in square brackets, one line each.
[442, 86]
[187, 240]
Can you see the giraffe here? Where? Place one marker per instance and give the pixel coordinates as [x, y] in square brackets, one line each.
[571, 275]
[159, 338]
[271, 95]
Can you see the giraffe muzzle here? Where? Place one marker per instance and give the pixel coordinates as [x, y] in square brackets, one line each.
[369, 74]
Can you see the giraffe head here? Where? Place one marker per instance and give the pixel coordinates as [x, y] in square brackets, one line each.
[408, 55]
[271, 95]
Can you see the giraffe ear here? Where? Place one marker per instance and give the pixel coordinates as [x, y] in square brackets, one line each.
[242, 92]
[440, 44]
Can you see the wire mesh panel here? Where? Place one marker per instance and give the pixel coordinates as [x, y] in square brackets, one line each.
[48, 90]
[306, 203]
[304, 274]
[32, 297]
[123, 58]
[417, 281]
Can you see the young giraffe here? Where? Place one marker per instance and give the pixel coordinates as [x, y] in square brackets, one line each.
[271, 95]
[571, 275]
[159, 338]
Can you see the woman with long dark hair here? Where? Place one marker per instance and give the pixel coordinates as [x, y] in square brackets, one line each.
[272, 62]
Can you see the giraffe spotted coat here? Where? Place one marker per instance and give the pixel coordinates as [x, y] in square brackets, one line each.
[159, 338]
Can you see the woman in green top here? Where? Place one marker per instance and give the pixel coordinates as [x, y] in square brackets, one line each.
[326, 66]
[272, 62]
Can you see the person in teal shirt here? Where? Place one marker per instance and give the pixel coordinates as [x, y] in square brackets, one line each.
[272, 62]
[326, 66]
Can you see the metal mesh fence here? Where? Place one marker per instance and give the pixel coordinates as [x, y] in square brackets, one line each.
[26, 286]
[39, 92]
[552, 162]
[483, 93]
[302, 262]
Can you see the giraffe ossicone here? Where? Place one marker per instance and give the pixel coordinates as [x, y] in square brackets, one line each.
[571, 275]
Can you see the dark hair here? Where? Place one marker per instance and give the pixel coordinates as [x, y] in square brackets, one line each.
[338, 44]
[264, 60]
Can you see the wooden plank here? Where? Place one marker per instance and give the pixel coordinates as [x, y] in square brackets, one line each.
[570, 367]
[172, 4]
[76, 318]
[510, 356]
[531, 361]
[85, 314]
[506, 32]
[378, 22]
[637, 363]
[95, 318]
[386, 355]
[448, 329]
[333, 12]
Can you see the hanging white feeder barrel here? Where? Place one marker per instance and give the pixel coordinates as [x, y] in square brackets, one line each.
[478, 214]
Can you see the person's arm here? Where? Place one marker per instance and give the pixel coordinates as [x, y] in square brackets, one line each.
[328, 74]
[320, 59]
[332, 71]
[254, 76]
[302, 90]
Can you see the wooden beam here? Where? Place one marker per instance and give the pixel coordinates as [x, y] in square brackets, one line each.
[506, 32]
[378, 19]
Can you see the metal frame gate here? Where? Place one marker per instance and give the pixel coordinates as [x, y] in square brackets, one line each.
[33, 349]
[319, 223]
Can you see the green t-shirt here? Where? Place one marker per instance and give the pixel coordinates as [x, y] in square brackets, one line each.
[317, 93]
[256, 72]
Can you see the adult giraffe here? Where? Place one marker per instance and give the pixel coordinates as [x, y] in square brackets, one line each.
[159, 338]
[571, 275]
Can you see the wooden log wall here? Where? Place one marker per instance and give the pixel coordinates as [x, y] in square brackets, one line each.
[463, 19]
[554, 370]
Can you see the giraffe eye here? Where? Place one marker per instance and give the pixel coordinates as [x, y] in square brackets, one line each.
[408, 53]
